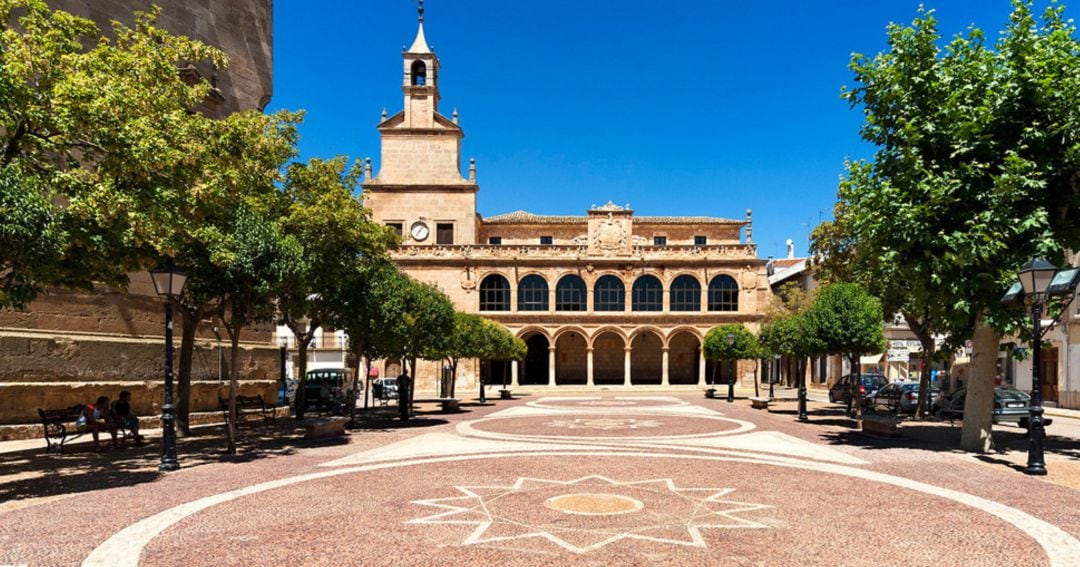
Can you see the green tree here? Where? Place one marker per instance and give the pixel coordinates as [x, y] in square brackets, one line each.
[335, 233]
[426, 321]
[977, 169]
[844, 320]
[501, 345]
[99, 148]
[744, 346]
[470, 337]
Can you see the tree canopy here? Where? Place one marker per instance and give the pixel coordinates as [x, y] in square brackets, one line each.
[744, 345]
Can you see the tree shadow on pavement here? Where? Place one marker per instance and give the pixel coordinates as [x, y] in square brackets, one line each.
[33, 473]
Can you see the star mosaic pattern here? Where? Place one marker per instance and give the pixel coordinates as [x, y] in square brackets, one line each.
[604, 423]
[588, 513]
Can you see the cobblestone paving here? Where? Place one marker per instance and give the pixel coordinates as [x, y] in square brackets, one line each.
[569, 480]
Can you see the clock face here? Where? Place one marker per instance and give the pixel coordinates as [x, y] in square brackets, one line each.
[419, 231]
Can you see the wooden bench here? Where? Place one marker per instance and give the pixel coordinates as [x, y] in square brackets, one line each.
[759, 403]
[247, 405]
[881, 425]
[505, 395]
[324, 427]
[448, 404]
[54, 423]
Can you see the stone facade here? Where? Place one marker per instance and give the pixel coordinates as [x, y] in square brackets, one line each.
[605, 298]
[70, 347]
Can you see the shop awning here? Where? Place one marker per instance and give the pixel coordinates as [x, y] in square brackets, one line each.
[872, 359]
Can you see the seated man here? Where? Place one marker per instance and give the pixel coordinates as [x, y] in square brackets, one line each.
[121, 414]
[97, 417]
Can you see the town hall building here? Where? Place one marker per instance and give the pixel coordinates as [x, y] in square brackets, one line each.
[603, 297]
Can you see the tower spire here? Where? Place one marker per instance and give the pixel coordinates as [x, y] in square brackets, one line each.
[420, 43]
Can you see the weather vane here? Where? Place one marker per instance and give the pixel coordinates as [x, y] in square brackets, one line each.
[420, 10]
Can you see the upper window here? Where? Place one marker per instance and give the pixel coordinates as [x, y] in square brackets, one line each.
[396, 227]
[723, 294]
[700, 241]
[494, 293]
[545, 240]
[648, 294]
[419, 74]
[494, 240]
[609, 294]
[685, 294]
[532, 294]
[444, 233]
[570, 294]
[659, 241]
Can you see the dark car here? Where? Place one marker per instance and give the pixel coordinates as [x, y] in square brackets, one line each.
[1010, 406]
[840, 392]
[384, 389]
[325, 388]
[900, 397]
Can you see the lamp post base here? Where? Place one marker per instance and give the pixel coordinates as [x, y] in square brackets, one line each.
[710, 393]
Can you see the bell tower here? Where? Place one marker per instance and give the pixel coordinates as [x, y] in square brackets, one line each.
[419, 188]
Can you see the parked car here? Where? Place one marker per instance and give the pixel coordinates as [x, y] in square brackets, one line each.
[840, 392]
[1010, 406]
[325, 389]
[900, 397]
[384, 389]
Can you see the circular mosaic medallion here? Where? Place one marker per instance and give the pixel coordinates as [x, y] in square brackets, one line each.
[594, 504]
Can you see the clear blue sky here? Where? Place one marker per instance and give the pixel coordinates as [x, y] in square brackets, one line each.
[678, 108]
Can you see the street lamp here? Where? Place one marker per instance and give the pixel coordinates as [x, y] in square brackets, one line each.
[1039, 281]
[283, 342]
[169, 284]
[774, 375]
[730, 338]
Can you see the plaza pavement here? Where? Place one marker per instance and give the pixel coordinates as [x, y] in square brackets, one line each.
[565, 479]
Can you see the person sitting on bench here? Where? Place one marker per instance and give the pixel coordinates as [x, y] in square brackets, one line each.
[96, 417]
[121, 415]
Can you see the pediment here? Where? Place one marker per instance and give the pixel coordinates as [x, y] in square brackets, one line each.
[397, 121]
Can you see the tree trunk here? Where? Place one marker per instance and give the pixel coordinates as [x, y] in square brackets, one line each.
[234, 371]
[190, 318]
[928, 346]
[367, 380]
[757, 366]
[979, 401]
[356, 384]
[302, 343]
[855, 399]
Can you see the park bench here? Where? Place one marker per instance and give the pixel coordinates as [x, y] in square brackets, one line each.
[55, 422]
[247, 405]
[505, 395]
[448, 404]
[759, 403]
[324, 427]
[881, 425]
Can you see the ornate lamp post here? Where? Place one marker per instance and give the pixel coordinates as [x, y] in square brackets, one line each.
[730, 339]
[774, 375]
[1035, 278]
[283, 342]
[169, 284]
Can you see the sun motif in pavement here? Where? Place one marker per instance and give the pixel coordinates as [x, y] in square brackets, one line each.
[609, 403]
[588, 513]
[604, 423]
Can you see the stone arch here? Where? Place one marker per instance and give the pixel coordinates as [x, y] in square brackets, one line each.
[684, 356]
[419, 73]
[684, 293]
[609, 355]
[647, 329]
[570, 329]
[494, 292]
[609, 329]
[646, 358]
[532, 330]
[571, 362]
[532, 292]
[534, 369]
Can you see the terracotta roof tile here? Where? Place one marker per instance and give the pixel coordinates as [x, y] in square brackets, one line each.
[523, 217]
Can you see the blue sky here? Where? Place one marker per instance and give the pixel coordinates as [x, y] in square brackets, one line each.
[678, 108]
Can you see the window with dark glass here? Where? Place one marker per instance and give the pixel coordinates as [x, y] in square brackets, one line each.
[648, 294]
[570, 294]
[700, 241]
[659, 241]
[609, 294]
[494, 293]
[723, 294]
[685, 294]
[532, 294]
[444, 233]
[545, 240]
[396, 227]
[495, 240]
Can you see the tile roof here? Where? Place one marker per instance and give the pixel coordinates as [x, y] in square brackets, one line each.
[523, 217]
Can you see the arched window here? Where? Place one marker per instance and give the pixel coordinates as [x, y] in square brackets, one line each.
[570, 294]
[685, 294]
[609, 294]
[723, 294]
[532, 294]
[419, 74]
[494, 293]
[648, 294]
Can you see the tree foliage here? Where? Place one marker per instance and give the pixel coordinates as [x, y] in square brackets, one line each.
[745, 345]
[844, 319]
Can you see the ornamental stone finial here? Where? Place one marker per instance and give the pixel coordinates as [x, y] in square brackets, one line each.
[420, 11]
[472, 169]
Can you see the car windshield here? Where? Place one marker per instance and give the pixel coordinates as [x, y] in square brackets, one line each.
[873, 380]
[1010, 394]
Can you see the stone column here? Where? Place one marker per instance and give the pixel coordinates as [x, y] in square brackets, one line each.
[551, 366]
[664, 372]
[551, 298]
[626, 368]
[629, 299]
[514, 373]
[589, 299]
[701, 368]
[513, 298]
[589, 367]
